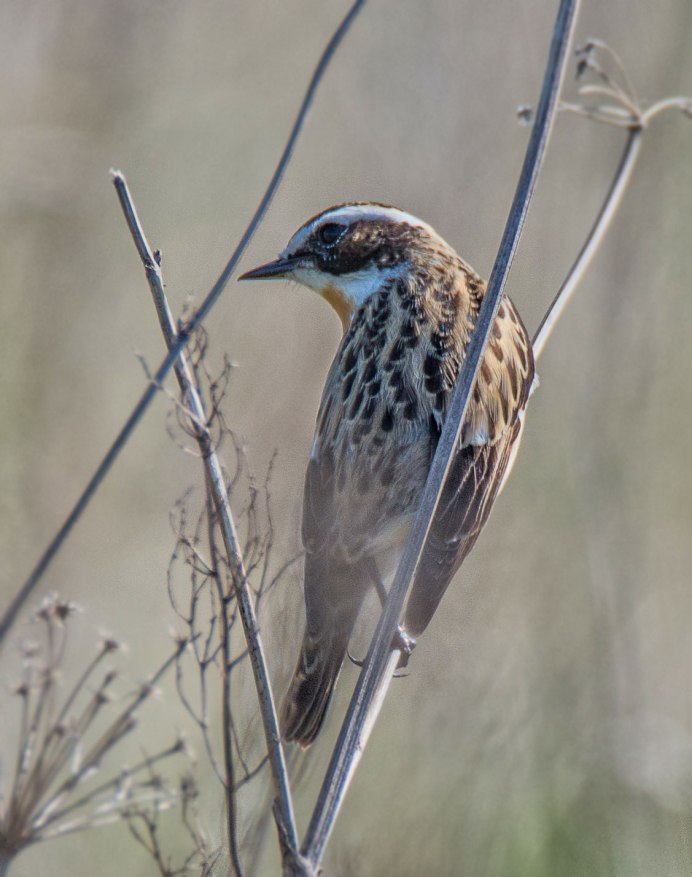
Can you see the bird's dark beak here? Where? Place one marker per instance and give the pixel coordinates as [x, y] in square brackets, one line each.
[279, 268]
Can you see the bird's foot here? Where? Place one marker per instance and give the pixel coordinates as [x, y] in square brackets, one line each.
[405, 645]
[402, 642]
[354, 660]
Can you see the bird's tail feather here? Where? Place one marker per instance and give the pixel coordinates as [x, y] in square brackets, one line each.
[311, 688]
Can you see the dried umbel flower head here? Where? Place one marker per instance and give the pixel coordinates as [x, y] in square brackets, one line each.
[60, 751]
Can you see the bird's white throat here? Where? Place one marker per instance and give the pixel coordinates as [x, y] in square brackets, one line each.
[347, 292]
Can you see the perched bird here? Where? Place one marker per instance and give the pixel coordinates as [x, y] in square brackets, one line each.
[408, 304]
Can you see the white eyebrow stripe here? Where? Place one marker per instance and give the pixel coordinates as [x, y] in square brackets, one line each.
[350, 213]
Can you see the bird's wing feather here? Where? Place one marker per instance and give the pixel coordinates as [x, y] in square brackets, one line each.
[491, 432]
[474, 481]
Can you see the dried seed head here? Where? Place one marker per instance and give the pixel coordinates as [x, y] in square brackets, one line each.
[525, 114]
[587, 47]
[583, 65]
[30, 650]
[63, 609]
[180, 640]
[182, 746]
[52, 608]
[102, 697]
[109, 644]
[146, 690]
[188, 787]
[154, 780]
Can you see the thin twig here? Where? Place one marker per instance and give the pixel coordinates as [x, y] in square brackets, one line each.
[226, 718]
[382, 657]
[183, 336]
[593, 241]
[49, 815]
[637, 123]
[216, 483]
[52, 791]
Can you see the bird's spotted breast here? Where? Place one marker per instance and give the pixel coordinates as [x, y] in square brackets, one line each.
[394, 373]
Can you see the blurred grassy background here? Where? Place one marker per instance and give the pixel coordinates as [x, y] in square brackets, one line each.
[546, 725]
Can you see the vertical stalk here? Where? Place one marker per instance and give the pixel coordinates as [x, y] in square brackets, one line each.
[375, 676]
[215, 479]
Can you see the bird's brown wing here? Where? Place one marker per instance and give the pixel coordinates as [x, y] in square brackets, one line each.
[490, 436]
[357, 503]
[474, 481]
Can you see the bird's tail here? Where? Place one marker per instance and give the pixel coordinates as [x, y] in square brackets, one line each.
[312, 685]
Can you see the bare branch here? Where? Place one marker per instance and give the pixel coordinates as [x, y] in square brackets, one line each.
[182, 337]
[227, 718]
[217, 487]
[636, 120]
[144, 828]
[382, 656]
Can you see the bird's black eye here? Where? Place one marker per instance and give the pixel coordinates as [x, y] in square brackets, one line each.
[330, 233]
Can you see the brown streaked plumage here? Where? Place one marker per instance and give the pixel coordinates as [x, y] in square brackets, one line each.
[408, 304]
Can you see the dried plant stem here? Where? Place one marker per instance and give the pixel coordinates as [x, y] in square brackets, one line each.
[226, 669]
[63, 746]
[217, 486]
[104, 467]
[605, 217]
[376, 674]
[110, 785]
[637, 124]
[53, 810]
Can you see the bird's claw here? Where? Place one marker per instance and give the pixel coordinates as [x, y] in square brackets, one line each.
[354, 660]
[405, 644]
[402, 642]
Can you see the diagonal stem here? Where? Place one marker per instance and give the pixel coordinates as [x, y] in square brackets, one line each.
[381, 660]
[636, 123]
[593, 241]
[106, 464]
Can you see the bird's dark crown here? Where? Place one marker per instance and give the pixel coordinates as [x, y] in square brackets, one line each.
[355, 236]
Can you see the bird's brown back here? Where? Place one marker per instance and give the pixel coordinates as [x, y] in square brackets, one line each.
[386, 397]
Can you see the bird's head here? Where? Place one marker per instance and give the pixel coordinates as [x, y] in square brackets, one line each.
[347, 253]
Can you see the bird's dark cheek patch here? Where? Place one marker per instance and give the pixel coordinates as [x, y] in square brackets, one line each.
[346, 261]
